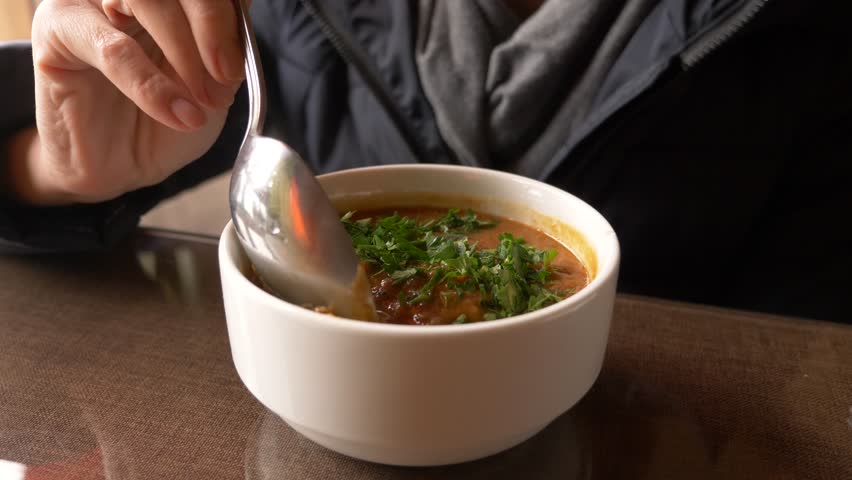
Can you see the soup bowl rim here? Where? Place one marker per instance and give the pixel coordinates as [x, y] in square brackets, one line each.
[607, 267]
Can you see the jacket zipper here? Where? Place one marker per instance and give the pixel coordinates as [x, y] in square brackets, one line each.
[729, 27]
[374, 82]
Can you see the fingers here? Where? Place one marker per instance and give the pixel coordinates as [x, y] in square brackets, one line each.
[214, 27]
[88, 35]
[199, 38]
[120, 16]
[127, 66]
[166, 22]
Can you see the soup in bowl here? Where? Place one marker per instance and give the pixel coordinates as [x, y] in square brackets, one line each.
[454, 371]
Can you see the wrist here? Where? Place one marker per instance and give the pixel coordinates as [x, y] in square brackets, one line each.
[22, 178]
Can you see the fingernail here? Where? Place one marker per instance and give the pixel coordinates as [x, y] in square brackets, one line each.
[231, 63]
[187, 113]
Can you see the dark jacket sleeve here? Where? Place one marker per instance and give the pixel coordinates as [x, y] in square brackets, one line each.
[93, 226]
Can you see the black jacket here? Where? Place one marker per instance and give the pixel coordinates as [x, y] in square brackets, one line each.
[717, 146]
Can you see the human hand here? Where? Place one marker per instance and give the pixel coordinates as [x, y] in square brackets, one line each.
[127, 93]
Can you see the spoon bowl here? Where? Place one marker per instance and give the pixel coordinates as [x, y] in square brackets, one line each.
[284, 220]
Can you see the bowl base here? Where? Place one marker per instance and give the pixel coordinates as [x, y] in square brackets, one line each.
[400, 456]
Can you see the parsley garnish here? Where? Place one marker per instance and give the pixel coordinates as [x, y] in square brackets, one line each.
[511, 278]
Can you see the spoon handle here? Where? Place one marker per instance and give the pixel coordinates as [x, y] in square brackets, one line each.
[254, 72]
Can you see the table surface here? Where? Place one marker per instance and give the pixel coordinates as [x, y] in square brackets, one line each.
[116, 365]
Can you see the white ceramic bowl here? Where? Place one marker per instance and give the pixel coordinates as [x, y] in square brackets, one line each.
[428, 395]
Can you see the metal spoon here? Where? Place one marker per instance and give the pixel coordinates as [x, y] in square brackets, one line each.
[284, 220]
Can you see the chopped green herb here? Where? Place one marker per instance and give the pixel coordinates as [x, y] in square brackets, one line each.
[400, 276]
[511, 278]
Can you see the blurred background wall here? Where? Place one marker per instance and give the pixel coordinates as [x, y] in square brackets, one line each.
[15, 18]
